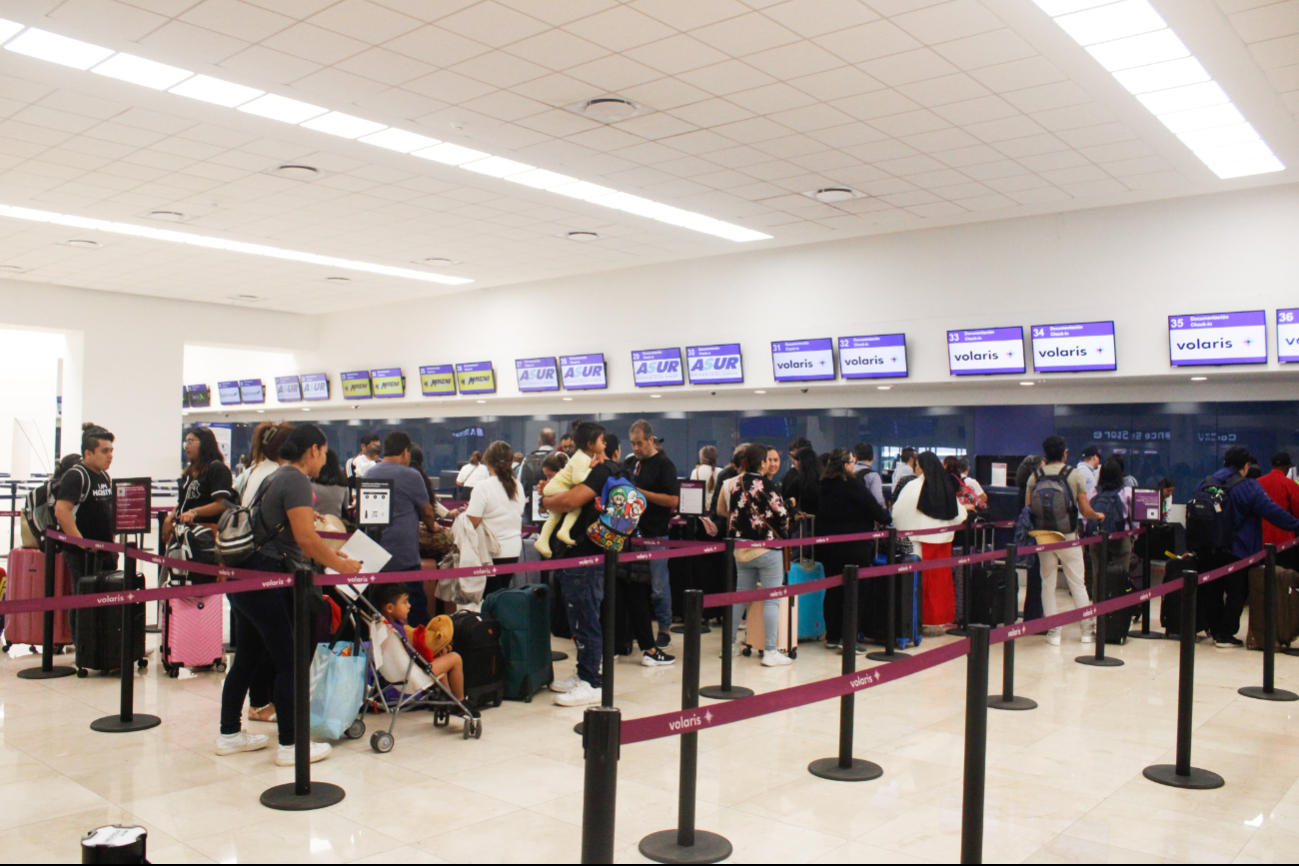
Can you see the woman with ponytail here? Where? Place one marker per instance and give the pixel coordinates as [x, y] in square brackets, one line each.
[498, 503]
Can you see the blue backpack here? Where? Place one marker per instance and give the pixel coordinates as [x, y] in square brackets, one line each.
[621, 506]
[1109, 503]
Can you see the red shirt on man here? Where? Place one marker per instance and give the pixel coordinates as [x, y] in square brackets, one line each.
[1284, 493]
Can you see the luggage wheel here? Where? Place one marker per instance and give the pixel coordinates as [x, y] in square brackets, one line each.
[219, 667]
[747, 651]
[793, 653]
[441, 717]
[382, 742]
[497, 702]
[527, 697]
[7, 646]
[355, 731]
[82, 673]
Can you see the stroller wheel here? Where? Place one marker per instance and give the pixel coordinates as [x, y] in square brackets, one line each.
[356, 730]
[473, 729]
[382, 742]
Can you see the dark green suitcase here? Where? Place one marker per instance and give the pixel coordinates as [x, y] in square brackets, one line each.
[524, 617]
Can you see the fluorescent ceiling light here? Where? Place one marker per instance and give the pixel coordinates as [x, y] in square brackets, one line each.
[1203, 139]
[1139, 50]
[1162, 76]
[1202, 118]
[223, 244]
[1064, 7]
[9, 28]
[1266, 165]
[1110, 22]
[497, 166]
[216, 91]
[399, 140]
[451, 154]
[583, 190]
[146, 73]
[282, 108]
[1184, 98]
[44, 45]
[343, 125]
[541, 179]
[1230, 153]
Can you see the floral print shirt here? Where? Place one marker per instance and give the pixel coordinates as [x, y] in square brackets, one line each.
[757, 510]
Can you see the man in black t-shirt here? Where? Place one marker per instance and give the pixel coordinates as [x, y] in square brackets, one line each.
[84, 507]
[654, 474]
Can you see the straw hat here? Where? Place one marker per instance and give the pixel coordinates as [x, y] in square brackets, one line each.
[1047, 536]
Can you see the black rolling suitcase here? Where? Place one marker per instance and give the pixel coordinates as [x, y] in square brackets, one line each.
[906, 623]
[987, 594]
[97, 631]
[1170, 607]
[477, 638]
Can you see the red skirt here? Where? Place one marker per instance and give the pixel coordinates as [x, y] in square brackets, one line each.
[938, 601]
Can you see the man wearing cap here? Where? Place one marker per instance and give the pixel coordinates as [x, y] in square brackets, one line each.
[1089, 468]
[1285, 493]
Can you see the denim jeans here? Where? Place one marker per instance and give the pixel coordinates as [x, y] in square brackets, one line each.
[662, 586]
[583, 589]
[766, 571]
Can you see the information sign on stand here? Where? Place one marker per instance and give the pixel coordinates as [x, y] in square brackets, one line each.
[132, 506]
[1146, 506]
[375, 503]
[693, 494]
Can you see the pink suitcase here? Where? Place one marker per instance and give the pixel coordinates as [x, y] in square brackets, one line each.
[27, 580]
[191, 634]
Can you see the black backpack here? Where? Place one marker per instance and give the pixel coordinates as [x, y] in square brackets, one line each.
[1109, 503]
[1210, 520]
[1053, 503]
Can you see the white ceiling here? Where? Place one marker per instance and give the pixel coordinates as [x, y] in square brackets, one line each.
[940, 111]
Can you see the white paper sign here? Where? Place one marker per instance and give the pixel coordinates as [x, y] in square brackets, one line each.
[366, 551]
[999, 475]
[375, 503]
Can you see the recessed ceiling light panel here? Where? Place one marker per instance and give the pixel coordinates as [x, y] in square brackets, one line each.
[343, 125]
[8, 28]
[138, 70]
[63, 50]
[496, 166]
[451, 154]
[216, 91]
[283, 109]
[399, 140]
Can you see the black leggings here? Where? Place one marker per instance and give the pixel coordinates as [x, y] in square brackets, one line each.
[500, 581]
[265, 625]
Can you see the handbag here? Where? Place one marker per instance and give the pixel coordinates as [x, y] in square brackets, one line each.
[337, 688]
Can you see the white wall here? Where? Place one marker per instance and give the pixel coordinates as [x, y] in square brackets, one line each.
[29, 362]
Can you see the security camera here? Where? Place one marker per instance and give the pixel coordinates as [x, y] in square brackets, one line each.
[804, 390]
[712, 393]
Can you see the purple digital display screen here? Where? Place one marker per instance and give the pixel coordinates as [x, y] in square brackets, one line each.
[1074, 348]
[715, 365]
[654, 367]
[883, 356]
[583, 372]
[1287, 336]
[536, 374]
[803, 360]
[985, 351]
[1217, 339]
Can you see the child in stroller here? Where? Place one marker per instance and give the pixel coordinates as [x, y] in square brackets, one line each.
[432, 641]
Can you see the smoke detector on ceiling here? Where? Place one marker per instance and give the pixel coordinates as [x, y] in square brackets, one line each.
[583, 237]
[834, 194]
[293, 171]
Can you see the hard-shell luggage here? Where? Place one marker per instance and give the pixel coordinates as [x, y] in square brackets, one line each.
[1170, 606]
[97, 632]
[804, 569]
[907, 615]
[1118, 623]
[1287, 608]
[26, 581]
[191, 634]
[755, 630]
[524, 618]
[987, 593]
[477, 638]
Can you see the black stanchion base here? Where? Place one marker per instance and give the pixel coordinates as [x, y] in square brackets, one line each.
[1106, 662]
[557, 656]
[41, 674]
[579, 728]
[887, 657]
[860, 771]
[284, 798]
[1150, 635]
[115, 725]
[1199, 780]
[662, 847]
[958, 632]
[717, 693]
[1017, 703]
[1258, 693]
[680, 629]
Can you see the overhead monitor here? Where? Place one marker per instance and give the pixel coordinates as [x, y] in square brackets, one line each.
[228, 393]
[388, 383]
[583, 372]
[986, 351]
[1287, 336]
[803, 360]
[356, 385]
[476, 378]
[536, 374]
[1214, 339]
[198, 396]
[315, 387]
[438, 380]
[883, 356]
[715, 365]
[1074, 348]
[288, 389]
[252, 391]
[654, 368]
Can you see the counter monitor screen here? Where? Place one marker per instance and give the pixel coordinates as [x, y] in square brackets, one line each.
[476, 378]
[288, 389]
[536, 374]
[388, 383]
[803, 360]
[1214, 339]
[654, 368]
[583, 372]
[438, 380]
[985, 351]
[228, 393]
[715, 365]
[1287, 336]
[198, 396]
[315, 386]
[356, 385]
[883, 356]
[1074, 348]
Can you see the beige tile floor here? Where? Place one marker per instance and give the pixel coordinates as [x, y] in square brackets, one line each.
[1064, 781]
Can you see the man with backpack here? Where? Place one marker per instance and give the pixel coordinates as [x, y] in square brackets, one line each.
[84, 508]
[865, 454]
[1056, 495]
[1224, 522]
[530, 470]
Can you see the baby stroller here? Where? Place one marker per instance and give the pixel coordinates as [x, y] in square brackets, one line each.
[399, 680]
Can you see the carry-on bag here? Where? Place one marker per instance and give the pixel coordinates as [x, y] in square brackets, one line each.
[1287, 608]
[803, 569]
[26, 581]
[524, 618]
[1170, 606]
[337, 688]
[755, 630]
[191, 634]
[987, 598]
[477, 638]
[97, 631]
[906, 627]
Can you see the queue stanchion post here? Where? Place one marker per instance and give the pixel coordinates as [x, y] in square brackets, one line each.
[685, 843]
[1099, 592]
[1268, 691]
[1147, 554]
[156, 628]
[302, 794]
[48, 670]
[728, 691]
[691, 564]
[600, 749]
[844, 767]
[1008, 700]
[13, 506]
[967, 585]
[608, 635]
[1182, 774]
[976, 745]
[127, 720]
[891, 653]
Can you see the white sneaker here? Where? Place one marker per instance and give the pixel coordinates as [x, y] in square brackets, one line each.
[1053, 637]
[581, 695]
[233, 744]
[775, 658]
[285, 756]
[1089, 637]
[566, 684]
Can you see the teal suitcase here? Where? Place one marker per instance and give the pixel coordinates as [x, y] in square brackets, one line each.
[524, 618]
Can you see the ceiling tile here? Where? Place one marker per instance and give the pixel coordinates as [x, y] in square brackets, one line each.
[827, 161]
[614, 73]
[364, 20]
[314, 43]
[745, 35]
[1045, 195]
[689, 14]
[605, 139]
[907, 67]
[1074, 117]
[711, 112]
[501, 69]
[237, 19]
[492, 24]
[400, 103]
[817, 17]
[947, 183]
[665, 93]
[836, 83]
[387, 66]
[944, 89]
[880, 103]
[934, 141]
[752, 131]
[107, 17]
[992, 131]
[549, 11]
[947, 21]
[1092, 135]
[1126, 168]
[790, 145]
[867, 41]
[657, 126]
[738, 157]
[556, 49]
[507, 106]
[961, 157]
[848, 135]
[878, 151]
[269, 67]
[910, 123]
[726, 78]
[178, 42]
[449, 87]
[1034, 145]
[557, 90]
[1094, 188]
[771, 98]
[1076, 174]
[338, 85]
[1267, 22]
[1018, 75]
[676, 54]
[1122, 150]
[1048, 96]
[620, 28]
[811, 118]
[794, 60]
[1276, 53]
[698, 142]
[436, 44]
[976, 110]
